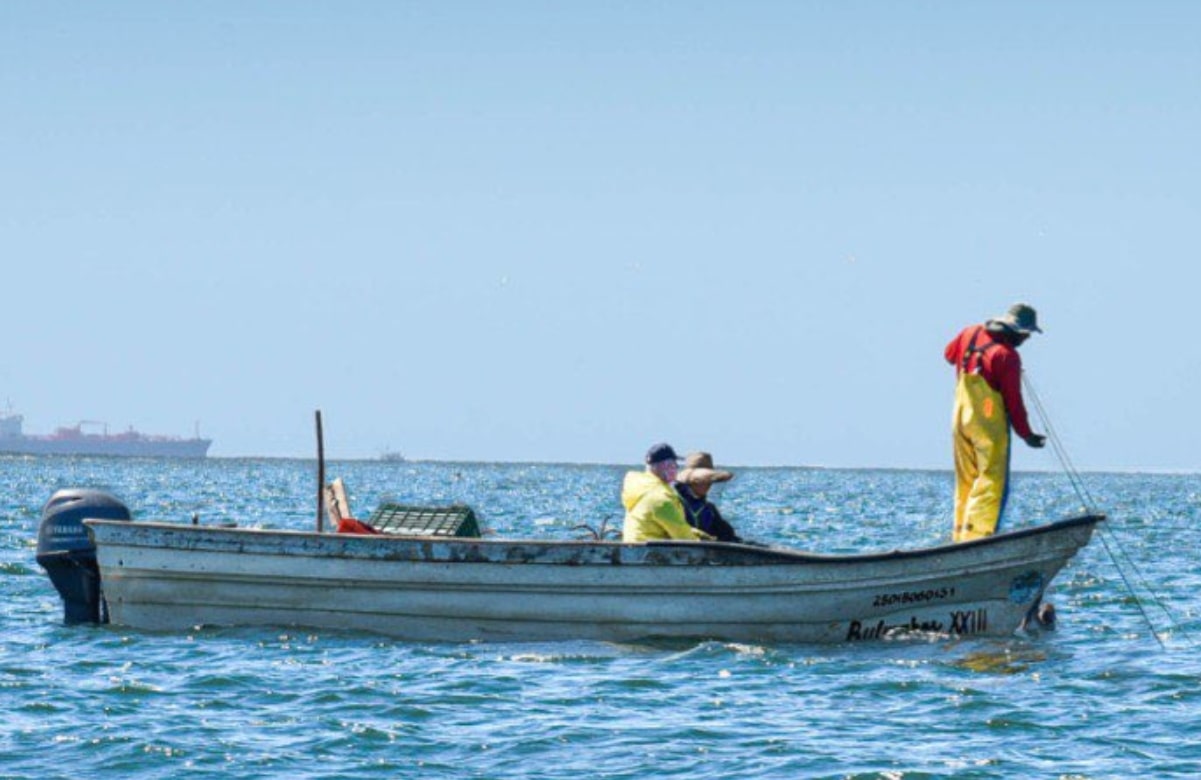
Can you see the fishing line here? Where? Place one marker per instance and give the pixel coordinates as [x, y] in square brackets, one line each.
[1085, 497]
[1077, 482]
[1060, 451]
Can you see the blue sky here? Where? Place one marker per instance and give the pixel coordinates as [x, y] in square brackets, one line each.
[562, 231]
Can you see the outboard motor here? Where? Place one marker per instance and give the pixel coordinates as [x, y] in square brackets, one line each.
[67, 553]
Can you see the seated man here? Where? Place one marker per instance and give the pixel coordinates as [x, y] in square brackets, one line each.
[653, 510]
[692, 484]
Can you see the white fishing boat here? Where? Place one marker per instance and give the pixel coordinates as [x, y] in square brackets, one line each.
[440, 587]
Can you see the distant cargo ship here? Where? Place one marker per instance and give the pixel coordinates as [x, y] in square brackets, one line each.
[74, 440]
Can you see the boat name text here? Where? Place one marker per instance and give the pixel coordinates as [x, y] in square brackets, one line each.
[959, 623]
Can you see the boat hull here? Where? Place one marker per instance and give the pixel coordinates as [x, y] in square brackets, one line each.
[160, 576]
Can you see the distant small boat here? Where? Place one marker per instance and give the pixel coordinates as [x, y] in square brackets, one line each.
[444, 586]
[75, 440]
[391, 456]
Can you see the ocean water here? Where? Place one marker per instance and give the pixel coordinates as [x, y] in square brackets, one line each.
[1115, 691]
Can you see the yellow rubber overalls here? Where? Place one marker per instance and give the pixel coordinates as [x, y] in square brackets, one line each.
[980, 429]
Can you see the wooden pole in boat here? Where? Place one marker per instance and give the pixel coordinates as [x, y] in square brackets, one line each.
[320, 475]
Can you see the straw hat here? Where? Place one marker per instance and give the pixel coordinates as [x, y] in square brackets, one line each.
[698, 469]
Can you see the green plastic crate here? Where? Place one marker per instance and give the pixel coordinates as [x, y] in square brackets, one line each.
[425, 520]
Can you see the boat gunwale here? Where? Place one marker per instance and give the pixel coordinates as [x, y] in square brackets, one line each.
[1089, 519]
[728, 553]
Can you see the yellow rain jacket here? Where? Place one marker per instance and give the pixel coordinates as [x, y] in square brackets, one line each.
[653, 510]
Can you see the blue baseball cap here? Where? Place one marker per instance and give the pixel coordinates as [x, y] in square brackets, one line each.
[659, 453]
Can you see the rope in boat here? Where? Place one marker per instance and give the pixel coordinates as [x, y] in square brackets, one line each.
[1103, 533]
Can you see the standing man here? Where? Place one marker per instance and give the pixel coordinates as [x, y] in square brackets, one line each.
[988, 400]
[653, 510]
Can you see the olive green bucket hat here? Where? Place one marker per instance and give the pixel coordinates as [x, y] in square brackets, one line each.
[1021, 318]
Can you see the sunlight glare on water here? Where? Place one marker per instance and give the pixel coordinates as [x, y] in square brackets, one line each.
[1099, 697]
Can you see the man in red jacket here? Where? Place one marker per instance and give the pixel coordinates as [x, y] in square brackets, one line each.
[988, 401]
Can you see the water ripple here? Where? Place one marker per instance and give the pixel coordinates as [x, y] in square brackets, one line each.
[1097, 698]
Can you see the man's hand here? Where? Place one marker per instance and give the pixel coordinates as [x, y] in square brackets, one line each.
[1036, 440]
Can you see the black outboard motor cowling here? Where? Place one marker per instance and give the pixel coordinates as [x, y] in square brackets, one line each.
[67, 553]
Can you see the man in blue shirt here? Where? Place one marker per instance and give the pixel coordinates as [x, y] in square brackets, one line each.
[692, 484]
